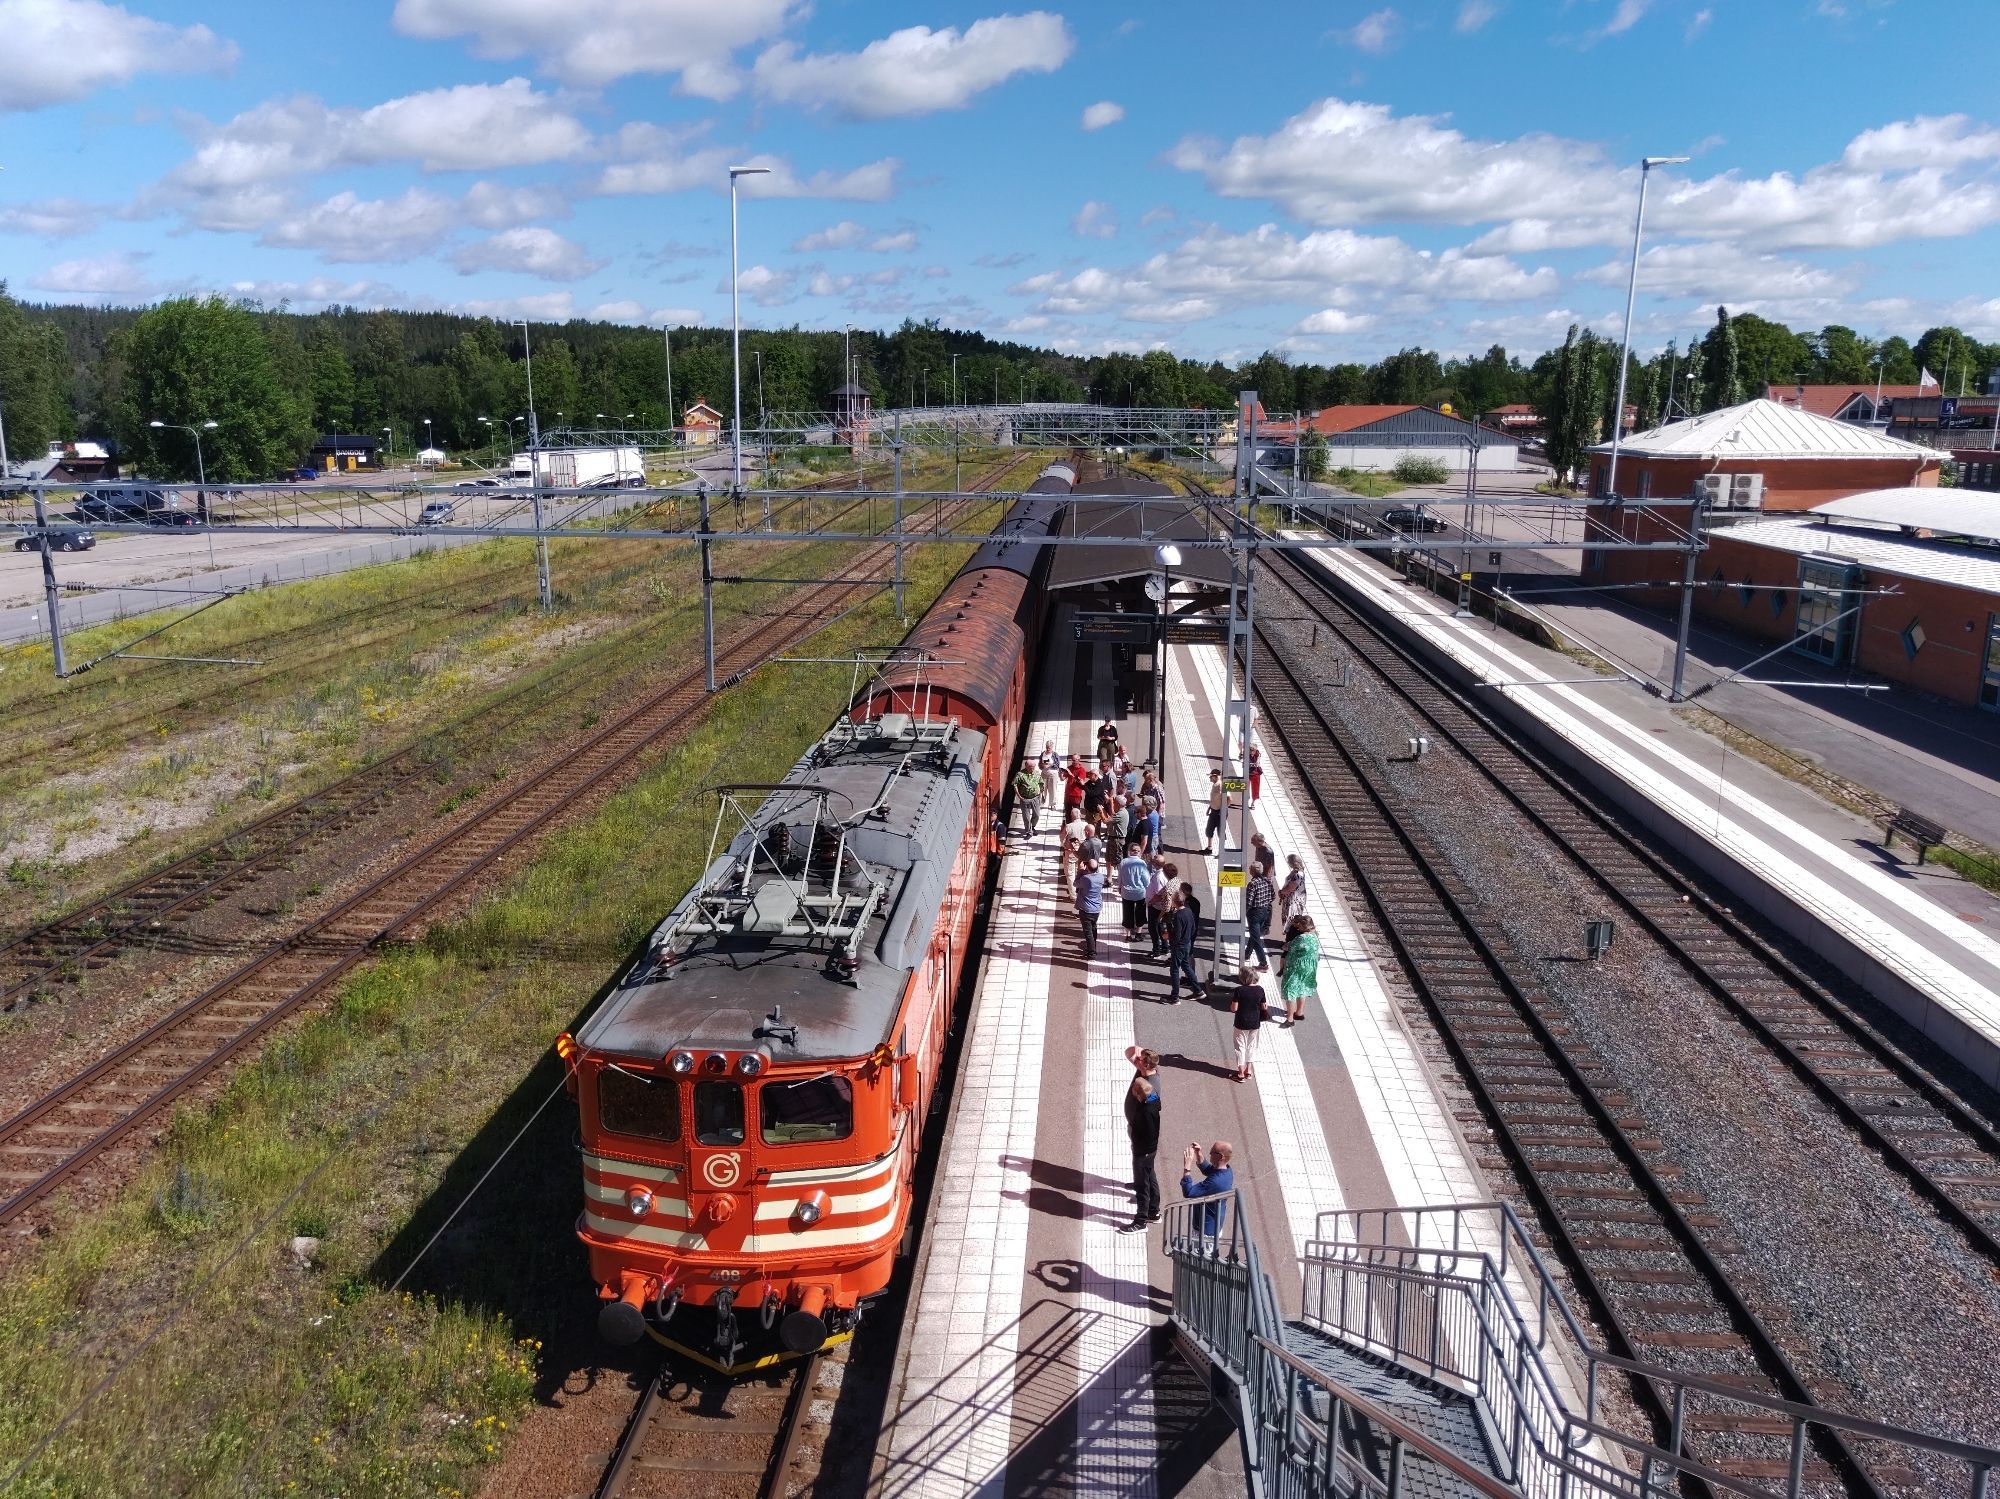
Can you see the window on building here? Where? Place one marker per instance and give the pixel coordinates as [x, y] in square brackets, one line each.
[633, 1103]
[1913, 638]
[1747, 592]
[1827, 590]
[718, 1114]
[1989, 673]
[811, 1109]
[1777, 603]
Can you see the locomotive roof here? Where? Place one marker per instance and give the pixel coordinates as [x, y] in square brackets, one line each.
[900, 792]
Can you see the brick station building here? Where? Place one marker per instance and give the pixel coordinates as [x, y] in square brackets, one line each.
[1899, 585]
[1757, 459]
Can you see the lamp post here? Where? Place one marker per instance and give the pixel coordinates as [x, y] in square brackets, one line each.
[673, 417]
[492, 442]
[429, 446]
[927, 387]
[390, 451]
[51, 597]
[954, 379]
[1169, 558]
[736, 335]
[763, 437]
[201, 475]
[543, 586]
[1646, 165]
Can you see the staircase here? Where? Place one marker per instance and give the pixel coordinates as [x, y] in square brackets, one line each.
[1435, 1358]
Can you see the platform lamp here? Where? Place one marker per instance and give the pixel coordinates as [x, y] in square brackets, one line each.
[200, 471]
[492, 442]
[736, 335]
[1646, 165]
[390, 451]
[1160, 588]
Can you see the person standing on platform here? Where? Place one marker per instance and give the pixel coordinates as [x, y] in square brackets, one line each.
[1073, 833]
[1134, 876]
[1159, 903]
[1219, 806]
[1107, 740]
[1292, 894]
[1260, 898]
[1142, 1127]
[1094, 849]
[1131, 783]
[1256, 774]
[1089, 904]
[1028, 797]
[1050, 762]
[1149, 824]
[1209, 1178]
[1183, 922]
[1121, 822]
[1248, 1003]
[1261, 852]
[1298, 978]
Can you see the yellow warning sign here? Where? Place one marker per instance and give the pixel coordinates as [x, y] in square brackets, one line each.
[1230, 879]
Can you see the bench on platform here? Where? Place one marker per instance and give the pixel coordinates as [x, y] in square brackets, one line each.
[1920, 830]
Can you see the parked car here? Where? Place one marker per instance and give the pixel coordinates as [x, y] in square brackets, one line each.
[293, 475]
[172, 518]
[436, 513]
[1404, 518]
[62, 538]
[487, 483]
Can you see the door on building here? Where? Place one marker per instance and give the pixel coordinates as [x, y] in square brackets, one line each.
[1989, 667]
[1827, 590]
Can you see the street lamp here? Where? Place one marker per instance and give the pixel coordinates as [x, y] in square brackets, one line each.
[927, 386]
[954, 379]
[544, 585]
[736, 334]
[1646, 165]
[492, 442]
[429, 446]
[528, 353]
[200, 468]
[1169, 557]
[390, 433]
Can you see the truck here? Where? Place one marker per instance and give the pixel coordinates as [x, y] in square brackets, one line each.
[588, 468]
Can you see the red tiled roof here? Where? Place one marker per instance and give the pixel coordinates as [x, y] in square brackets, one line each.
[1827, 400]
[1347, 418]
[1513, 408]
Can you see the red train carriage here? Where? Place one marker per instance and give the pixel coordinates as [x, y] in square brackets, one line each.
[752, 1093]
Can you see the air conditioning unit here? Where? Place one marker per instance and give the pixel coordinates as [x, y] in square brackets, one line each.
[1714, 488]
[1746, 491]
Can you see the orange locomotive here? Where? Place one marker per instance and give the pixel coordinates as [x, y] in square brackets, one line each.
[752, 1092]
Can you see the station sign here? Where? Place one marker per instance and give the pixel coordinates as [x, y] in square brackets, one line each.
[1117, 629]
[1232, 783]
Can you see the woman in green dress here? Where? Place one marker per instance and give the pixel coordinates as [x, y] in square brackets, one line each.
[1298, 979]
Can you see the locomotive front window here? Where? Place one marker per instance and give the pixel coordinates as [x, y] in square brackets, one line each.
[814, 1108]
[718, 1114]
[630, 1103]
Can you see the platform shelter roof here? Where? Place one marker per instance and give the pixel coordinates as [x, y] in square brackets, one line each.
[1152, 515]
[1944, 512]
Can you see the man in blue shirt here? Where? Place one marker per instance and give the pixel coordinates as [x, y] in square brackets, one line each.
[1135, 875]
[1216, 1177]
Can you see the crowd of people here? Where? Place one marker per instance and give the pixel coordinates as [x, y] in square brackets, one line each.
[1110, 812]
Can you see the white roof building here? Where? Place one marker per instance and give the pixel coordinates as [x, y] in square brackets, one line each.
[1762, 429]
[1884, 551]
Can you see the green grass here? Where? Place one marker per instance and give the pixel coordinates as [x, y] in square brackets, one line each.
[279, 1378]
[1366, 482]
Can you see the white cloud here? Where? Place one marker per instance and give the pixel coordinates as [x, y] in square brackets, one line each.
[530, 250]
[917, 70]
[1340, 162]
[468, 127]
[1926, 141]
[873, 183]
[1335, 320]
[494, 205]
[122, 273]
[541, 307]
[1104, 112]
[59, 51]
[658, 160]
[56, 218]
[322, 291]
[842, 236]
[1722, 273]
[1473, 14]
[348, 227]
[1218, 270]
[1698, 23]
[629, 311]
[764, 286]
[1375, 32]
[1624, 17]
[1095, 220]
[900, 243]
[609, 39]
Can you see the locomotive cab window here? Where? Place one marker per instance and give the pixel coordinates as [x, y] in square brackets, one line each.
[812, 1109]
[718, 1114]
[631, 1103]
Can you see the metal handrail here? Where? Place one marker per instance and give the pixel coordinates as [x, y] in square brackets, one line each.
[1509, 1373]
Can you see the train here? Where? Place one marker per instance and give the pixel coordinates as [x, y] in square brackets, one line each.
[752, 1091]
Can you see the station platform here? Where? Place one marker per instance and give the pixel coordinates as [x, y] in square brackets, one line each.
[1034, 1356]
[1917, 936]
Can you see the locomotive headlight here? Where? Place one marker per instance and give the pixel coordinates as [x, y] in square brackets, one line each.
[681, 1062]
[811, 1209]
[750, 1063]
[638, 1201]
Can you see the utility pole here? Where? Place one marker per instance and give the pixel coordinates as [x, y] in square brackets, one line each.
[543, 586]
[50, 596]
[673, 417]
[1646, 165]
[1687, 601]
[735, 347]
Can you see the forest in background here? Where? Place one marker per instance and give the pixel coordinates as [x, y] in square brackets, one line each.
[271, 378]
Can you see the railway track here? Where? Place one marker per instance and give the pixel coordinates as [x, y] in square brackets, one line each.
[89, 937]
[52, 1140]
[708, 1436]
[1660, 1271]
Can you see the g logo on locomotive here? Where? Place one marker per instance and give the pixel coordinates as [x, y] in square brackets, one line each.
[722, 1170]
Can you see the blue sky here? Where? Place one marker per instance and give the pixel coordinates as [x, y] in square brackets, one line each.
[1335, 180]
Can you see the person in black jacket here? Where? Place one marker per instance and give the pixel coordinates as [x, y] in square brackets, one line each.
[1142, 1124]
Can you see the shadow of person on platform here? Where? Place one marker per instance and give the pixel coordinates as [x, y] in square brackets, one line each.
[1062, 1178]
[1075, 1278]
[1182, 1063]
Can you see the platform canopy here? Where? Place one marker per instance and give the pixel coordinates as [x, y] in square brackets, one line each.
[1152, 515]
[1945, 512]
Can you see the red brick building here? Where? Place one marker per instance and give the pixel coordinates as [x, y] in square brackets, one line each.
[1887, 596]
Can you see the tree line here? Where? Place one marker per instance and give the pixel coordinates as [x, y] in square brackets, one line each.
[270, 378]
